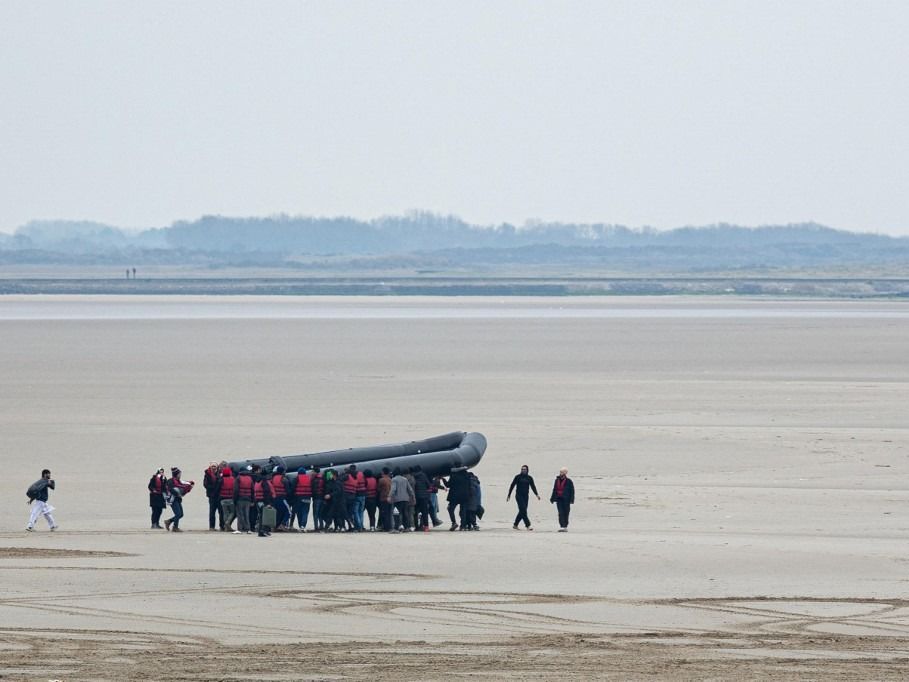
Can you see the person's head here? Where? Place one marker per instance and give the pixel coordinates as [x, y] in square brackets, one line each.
[525, 469]
[386, 470]
[213, 465]
[256, 468]
[279, 470]
[352, 468]
[45, 473]
[175, 472]
[316, 470]
[248, 470]
[415, 469]
[563, 472]
[396, 472]
[329, 474]
[301, 471]
[160, 471]
[368, 473]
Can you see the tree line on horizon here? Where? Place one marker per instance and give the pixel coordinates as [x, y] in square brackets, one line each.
[427, 240]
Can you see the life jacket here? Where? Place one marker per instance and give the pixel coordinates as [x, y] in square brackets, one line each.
[277, 483]
[259, 491]
[361, 483]
[245, 486]
[304, 486]
[371, 484]
[227, 486]
[349, 484]
[318, 485]
[158, 484]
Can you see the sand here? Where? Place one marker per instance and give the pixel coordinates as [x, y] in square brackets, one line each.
[740, 466]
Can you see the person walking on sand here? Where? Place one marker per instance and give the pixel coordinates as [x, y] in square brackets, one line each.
[177, 488]
[37, 498]
[210, 480]
[157, 487]
[563, 496]
[521, 485]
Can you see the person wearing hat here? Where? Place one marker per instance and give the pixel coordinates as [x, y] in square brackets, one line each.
[177, 488]
[157, 486]
[563, 496]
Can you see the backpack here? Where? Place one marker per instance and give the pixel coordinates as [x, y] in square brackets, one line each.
[35, 488]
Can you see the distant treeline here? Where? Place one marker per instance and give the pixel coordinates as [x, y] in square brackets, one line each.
[426, 241]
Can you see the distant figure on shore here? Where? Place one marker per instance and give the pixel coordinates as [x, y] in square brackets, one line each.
[176, 489]
[521, 485]
[127, 273]
[157, 486]
[212, 485]
[563, 496]
[37, 498]
[134, 273]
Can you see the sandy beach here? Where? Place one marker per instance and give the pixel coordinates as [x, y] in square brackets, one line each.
[741, 469]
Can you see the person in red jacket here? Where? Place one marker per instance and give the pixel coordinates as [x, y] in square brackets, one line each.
[302, 498]
[213, 493]
[243, 498]
[226, 496]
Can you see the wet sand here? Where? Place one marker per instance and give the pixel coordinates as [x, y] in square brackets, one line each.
[740, 465]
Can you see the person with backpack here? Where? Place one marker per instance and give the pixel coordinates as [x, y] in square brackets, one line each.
[176, 489]
[156, 490]
[37, 498]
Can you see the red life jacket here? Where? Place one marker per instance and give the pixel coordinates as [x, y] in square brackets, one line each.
[304, 486]
[277, 483]
[349, 484]
[361, 483]
[318, 485]
[158, 482]
[371, 487]
[227, 485]
[246, 486]
[258, 491]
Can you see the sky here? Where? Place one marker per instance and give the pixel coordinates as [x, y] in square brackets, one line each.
[662, 114]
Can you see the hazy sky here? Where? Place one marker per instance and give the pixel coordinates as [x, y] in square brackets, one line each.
[640, 113]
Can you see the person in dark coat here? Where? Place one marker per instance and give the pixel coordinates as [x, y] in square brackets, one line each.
[458, 494]
[421, 489]
[563, 497]
[157, 485]
[474, 503]
[521, 485]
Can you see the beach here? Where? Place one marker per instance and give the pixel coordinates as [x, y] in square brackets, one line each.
[740, 464]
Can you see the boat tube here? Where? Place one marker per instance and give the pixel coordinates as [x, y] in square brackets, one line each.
[436, 456]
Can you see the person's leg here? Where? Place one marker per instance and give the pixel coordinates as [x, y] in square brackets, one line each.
[253, 515]
[227, 513]
[211, 512]
[156, 515]
[563, 513]
[371, 512]
[522, 513]
[177, 508]
[46, 512]
[317, 513]
[33, 515]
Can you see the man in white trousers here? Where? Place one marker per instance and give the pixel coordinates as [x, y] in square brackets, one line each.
[37, 496]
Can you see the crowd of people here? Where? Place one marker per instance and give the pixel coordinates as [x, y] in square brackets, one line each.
[394, 501]
[342, 499]
[335, 500]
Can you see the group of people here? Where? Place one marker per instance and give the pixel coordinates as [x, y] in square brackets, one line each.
[337, 500]
[342, 499]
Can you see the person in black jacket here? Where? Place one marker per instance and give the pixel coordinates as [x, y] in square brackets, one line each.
[458, 495]
[563, 496]
[521, 485]
[421, 490]
[156, 489]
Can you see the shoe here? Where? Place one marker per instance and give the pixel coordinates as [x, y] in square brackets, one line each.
[515, 527]
[176, 530]
[53, 528]
[454, 526]
[529, 527]
[167, 525]
[425, 529]
[30, 529]
[436, 523]
[212, 528]
[563, 530]
[263, 535]
[237, 532]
